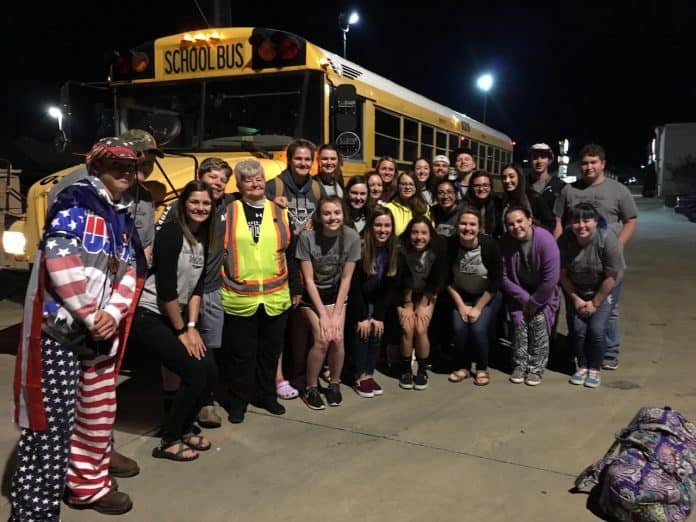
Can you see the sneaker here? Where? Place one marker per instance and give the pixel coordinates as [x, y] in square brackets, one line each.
[406, 381]
[313, 399]
[517, 376]
[208, 417]
[271, 406]
[376, 388]
[610, 363]
[532, 379]
[333, 394]
[593, 380]
[579, 377]
[122, 466]
[364, 389]
[420, 381]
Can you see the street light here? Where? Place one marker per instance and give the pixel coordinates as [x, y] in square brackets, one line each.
[485, 82]
[55, 112]
[344, 24]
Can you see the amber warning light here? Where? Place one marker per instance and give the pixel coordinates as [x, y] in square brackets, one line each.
[276, 49]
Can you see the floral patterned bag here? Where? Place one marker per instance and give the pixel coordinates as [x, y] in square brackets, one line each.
[649, 473]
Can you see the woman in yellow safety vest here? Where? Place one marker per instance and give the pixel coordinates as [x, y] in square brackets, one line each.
[260, 274]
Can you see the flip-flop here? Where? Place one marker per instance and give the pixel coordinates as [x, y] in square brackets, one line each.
[286, 391]
[459, 375]
[160, 452]
[482, 378]
[202, 444]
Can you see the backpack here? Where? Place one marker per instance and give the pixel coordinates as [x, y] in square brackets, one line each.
[649, 473]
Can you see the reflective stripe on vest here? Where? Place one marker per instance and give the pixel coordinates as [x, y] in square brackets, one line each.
[271, 245]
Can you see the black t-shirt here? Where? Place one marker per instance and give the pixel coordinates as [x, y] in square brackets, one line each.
[254, 215]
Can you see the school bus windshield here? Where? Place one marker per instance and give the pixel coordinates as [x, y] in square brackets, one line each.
[261, 113]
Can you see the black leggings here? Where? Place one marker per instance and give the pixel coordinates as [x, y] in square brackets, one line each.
[153, 332]
[253, 345]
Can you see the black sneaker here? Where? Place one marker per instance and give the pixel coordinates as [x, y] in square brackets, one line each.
[333, 394]
[406, 381]
[420, 381]
[313, 399]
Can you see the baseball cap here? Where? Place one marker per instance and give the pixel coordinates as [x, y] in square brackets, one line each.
[541, 148]
[142, 141]
[442, 158]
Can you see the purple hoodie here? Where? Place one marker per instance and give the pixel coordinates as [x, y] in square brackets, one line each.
[545, 260]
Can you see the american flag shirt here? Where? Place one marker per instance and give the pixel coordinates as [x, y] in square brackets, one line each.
[86, 262]
[90, 263]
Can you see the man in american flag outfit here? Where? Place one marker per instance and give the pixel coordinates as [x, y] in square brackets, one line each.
[80, 295]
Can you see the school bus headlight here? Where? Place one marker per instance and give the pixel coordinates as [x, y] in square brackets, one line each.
[13, 242]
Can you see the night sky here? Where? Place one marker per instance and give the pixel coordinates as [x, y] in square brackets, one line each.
[606, 74]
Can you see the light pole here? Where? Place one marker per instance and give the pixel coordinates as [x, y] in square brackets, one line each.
[344, 23]
[485, 82]
[55, 112]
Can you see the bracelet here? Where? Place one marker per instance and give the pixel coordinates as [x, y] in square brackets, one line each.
[179, 331]
[191, 324]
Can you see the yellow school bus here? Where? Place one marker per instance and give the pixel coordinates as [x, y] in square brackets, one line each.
[243, 92]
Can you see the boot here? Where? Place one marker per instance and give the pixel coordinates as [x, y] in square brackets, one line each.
[122, 466]
[113, 503]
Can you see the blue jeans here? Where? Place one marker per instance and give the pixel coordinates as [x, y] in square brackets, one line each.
[471, 339]
[366, 351]
[613, 333]
[590, 334]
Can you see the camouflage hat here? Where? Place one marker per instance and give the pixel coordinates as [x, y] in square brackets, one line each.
[142, 141]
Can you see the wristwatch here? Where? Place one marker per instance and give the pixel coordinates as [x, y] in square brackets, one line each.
[191, 324]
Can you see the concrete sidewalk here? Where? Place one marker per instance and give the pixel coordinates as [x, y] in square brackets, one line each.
[453, 452]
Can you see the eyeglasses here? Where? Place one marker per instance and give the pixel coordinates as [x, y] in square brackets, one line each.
[484, 186]
[445, 192]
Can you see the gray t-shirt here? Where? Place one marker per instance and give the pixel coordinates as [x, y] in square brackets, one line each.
[586, 266]
[420, 264]
[470, 274]
[611, 199]
[213, 278]
[327, 260]
[529, 279]
[189, 267]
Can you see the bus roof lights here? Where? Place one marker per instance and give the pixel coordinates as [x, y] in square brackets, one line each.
[278, 49]
[289, 49]
[139, 62]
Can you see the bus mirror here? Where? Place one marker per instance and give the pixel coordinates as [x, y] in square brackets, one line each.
[346, 108]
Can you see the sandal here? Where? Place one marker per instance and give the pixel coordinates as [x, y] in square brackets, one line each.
[482, 378]
[160, 452]
[196, 442]
[285, 390]
[459, 375]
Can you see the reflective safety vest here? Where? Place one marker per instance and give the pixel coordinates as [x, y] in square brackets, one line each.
[255, 273]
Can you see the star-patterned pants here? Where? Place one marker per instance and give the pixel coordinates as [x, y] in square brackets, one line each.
[80, 403]
[42, 456]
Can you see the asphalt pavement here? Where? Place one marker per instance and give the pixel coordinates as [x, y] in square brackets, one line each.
[453, 452]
